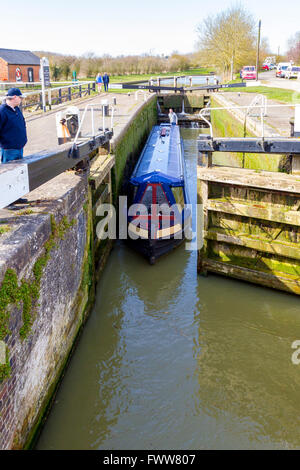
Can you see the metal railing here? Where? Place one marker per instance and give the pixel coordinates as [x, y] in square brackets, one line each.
[4, 85]
[259, 100]
[142, 92]
[104, 128]
[57, 95]
[263, 113]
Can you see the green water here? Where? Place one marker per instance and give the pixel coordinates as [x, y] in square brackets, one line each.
[170, 360]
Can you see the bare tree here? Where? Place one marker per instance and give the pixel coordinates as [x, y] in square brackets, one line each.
[228, 39]
[294, 48]
[89, 64]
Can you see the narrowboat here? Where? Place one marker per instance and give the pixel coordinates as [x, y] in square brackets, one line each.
[158, 216]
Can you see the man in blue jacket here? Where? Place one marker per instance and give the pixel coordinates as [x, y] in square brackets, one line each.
[105, 79]
[13, 136]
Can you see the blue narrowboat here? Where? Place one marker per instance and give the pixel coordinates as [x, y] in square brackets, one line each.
[158, 215]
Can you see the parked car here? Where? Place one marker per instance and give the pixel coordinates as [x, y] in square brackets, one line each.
[281, 69]
[293, 71]
[248, 72]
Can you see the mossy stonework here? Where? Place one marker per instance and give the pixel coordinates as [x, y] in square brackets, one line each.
[127, 146]
[43, 302]
[192, 102]
[251, 226]
[51, 260]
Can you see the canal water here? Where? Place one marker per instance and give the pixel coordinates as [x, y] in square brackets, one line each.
[172, 360]
[184, 81]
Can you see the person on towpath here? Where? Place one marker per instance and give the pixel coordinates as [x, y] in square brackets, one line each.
[13, 135]
[99, 82]
[105, 81]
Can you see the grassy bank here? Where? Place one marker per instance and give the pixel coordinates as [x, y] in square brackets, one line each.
[225, 125]
[127, 78]
[278, 94]
[132, 77]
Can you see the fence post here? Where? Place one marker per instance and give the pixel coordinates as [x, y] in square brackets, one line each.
[59, 95]
[94, 86]
[89, 89]
[41, 100]
[205, 158]
[69, 93]
[49, 98]
[79, 91]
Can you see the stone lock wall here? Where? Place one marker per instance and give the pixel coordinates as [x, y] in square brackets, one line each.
[193, 102]
[50, 261]
[46, 287]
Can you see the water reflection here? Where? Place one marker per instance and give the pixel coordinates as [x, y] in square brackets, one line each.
[172, 360]
[184, 81]
[246, 380]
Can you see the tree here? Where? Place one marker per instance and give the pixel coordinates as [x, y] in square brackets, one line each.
[294, 48]
[66, 70]
[179, 62]
[228, 39]
[55, 71]
[76, 66]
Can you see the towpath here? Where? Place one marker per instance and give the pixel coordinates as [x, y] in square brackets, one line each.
[277, 119]
[41, 130]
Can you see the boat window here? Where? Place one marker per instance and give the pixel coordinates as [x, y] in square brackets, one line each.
[160, 195]
[132, 193]
[147, 197]
[178, 195]
[154, 191]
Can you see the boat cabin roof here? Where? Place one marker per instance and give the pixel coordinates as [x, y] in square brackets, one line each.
[161, 159]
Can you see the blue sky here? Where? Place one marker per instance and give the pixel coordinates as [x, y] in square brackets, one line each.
[131, 27]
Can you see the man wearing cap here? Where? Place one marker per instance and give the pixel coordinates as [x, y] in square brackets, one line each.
[13, 136]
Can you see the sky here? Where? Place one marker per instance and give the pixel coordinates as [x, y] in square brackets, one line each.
[131, 26]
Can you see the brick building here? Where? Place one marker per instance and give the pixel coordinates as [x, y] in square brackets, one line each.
[19, 66]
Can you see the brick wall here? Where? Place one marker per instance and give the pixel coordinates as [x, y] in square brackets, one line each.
[3, 70]
[24, 72]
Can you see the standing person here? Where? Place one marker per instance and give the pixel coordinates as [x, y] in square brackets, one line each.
[173, 117]
[99, 82]
[105, 81]
[13, 135]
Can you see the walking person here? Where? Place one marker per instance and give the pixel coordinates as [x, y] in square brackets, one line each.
[173, 117]
[13, 135]
[99, 82]
[106, 81]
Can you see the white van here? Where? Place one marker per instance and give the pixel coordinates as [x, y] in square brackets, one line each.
[281, 69]
[292, 72]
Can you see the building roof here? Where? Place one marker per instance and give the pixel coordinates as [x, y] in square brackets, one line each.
[12, 56]
[161, 157]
